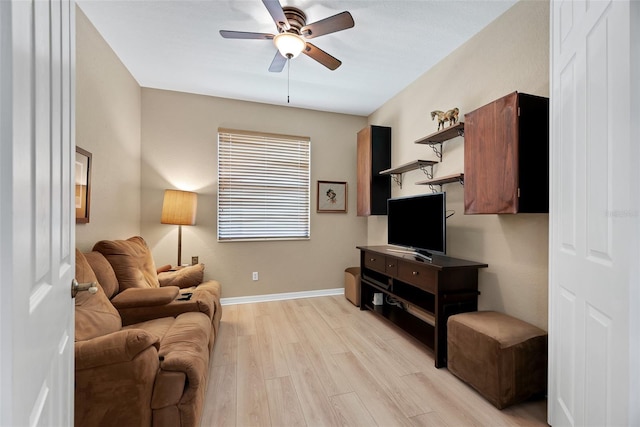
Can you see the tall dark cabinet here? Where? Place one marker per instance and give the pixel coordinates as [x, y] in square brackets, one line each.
[506, 156]
[374, 156]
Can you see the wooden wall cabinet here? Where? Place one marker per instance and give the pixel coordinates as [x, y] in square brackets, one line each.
[374, 156]
[506, 156]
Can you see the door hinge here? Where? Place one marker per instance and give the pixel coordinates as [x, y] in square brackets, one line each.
[518, 192]
[518, 111]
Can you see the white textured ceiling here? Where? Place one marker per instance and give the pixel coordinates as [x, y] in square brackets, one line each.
[175, 45]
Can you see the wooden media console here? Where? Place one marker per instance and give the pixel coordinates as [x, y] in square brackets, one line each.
[418, 295]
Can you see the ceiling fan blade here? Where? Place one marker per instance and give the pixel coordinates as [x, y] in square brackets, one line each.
[276, 12]
[278, 63]
[321, 56]
[245, 35]
[334, 23]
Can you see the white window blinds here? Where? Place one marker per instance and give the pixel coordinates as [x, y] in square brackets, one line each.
[263, 186]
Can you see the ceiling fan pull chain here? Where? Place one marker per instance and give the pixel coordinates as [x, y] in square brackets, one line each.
[288, 74]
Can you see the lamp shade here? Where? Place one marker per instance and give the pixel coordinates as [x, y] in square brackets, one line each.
[290, 45]
[179, 207]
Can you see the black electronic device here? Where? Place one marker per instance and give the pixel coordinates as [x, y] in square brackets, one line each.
[418, 223]
[185, 296]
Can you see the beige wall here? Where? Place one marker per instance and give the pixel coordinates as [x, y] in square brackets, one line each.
[107, 125]
[144, 141]
[511, 54]
[179, 147]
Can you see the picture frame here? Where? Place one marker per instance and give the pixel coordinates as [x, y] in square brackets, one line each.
[332, 197]
[83, 185]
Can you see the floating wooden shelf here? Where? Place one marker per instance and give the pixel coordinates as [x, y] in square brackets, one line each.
[416, 164]
[443, 135]
[396, 173]
[435, 140]
[459, 177]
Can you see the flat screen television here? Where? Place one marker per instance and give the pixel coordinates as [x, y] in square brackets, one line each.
[418, 223]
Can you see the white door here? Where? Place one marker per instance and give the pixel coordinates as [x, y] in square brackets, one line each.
[37, 257]
[594, 216]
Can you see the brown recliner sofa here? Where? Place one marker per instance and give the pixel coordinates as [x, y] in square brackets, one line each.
[127, 273]
[148, 373]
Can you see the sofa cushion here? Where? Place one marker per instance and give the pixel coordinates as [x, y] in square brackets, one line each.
[168, 389]
[104, 272]
[183, 278]
[156, 327]
[132, 262]
[95, 315]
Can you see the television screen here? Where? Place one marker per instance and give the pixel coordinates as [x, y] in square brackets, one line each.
[418, 223]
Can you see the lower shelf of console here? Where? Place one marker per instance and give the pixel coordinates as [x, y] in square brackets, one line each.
[420, 330]
[418, 296]
[416, 321]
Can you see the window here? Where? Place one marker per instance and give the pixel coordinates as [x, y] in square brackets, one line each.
[263, 186]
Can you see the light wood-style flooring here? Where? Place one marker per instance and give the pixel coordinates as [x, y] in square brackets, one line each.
[323, 362]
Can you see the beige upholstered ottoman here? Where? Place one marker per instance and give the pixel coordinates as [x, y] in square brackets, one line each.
[503, 358]
[352, 285]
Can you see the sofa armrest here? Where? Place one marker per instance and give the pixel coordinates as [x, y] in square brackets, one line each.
[184, 364]
[184, 277]
[117, 347]
[163, 268]
[145, 297]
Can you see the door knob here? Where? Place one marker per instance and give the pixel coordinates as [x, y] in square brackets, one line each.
[76, 287]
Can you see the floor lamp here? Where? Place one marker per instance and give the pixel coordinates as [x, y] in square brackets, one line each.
[179, 208]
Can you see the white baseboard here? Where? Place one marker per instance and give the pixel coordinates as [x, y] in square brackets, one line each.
[281, 297]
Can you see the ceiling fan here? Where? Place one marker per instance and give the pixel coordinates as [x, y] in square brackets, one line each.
[293, 33]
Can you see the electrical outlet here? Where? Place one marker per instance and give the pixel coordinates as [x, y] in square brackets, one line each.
[194, 260]
[254, 276]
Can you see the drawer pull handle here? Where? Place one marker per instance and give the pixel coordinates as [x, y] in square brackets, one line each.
[415, 273]
[391, 265]
[372, 259]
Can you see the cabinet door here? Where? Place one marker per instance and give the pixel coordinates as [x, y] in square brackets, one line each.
[364, 172]
[491, 158]
[374, 156]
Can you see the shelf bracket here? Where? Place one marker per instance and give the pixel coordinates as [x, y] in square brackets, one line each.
[428, 170]
[461, 132]
[437, 150]
[433, 186]
[397, 177]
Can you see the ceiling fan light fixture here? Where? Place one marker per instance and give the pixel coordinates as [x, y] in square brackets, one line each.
[289, 45]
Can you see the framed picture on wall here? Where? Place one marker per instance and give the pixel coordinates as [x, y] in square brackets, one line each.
[332, 196]
[83, 185]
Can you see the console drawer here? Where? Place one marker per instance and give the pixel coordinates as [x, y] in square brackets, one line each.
[420, 276]
[391, 266]
[375, 261]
